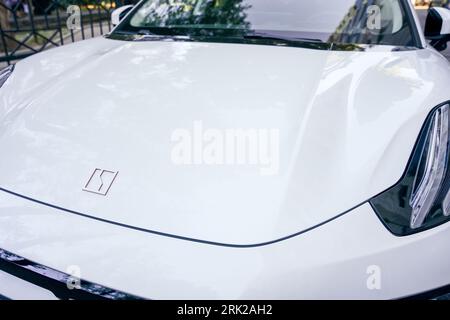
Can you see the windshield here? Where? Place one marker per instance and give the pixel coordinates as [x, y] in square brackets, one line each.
[372, 22]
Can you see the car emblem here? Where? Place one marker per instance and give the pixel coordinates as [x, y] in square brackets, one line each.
[100, 181]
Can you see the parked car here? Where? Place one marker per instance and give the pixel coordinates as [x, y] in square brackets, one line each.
[99, 200]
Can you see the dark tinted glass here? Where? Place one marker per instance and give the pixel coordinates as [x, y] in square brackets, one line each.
[331, 21]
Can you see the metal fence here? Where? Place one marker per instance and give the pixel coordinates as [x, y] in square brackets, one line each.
[30, 26]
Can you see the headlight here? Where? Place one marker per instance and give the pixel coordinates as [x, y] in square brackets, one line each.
[421, 200]
[5, 73]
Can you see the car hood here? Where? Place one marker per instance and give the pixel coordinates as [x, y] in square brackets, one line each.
[341, 128]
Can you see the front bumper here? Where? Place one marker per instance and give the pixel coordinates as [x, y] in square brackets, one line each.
[24, 279]
[329, 262]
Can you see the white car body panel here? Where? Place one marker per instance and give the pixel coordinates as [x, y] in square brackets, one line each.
[329, 262]
[348, 124]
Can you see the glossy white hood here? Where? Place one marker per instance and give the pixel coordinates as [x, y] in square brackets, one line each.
[347, 122]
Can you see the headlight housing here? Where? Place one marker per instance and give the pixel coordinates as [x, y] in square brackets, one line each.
[421, 200]
[5, 73]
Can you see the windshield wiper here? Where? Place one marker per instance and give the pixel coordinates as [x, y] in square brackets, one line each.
[271, 36]
[126, 33]
[148, 36]
[145, 32]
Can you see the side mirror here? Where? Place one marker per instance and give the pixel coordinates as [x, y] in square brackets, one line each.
[119, 14]
[437, 27]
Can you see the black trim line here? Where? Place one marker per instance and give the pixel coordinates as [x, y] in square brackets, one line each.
[56, 281]
[168, 235]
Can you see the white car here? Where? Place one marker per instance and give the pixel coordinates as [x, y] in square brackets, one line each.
[231, 149]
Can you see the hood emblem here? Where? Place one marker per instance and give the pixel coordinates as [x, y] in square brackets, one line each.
[100, 181]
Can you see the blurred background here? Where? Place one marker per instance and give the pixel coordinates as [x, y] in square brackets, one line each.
[31, 26]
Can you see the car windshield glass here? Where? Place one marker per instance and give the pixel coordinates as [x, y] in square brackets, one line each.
[381, 22]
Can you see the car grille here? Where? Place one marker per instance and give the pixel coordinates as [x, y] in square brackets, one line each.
[56, 281]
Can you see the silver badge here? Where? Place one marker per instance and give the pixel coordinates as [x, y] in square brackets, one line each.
[100, 181]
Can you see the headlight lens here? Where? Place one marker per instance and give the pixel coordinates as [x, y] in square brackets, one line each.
[5, 73]
[421, 200]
